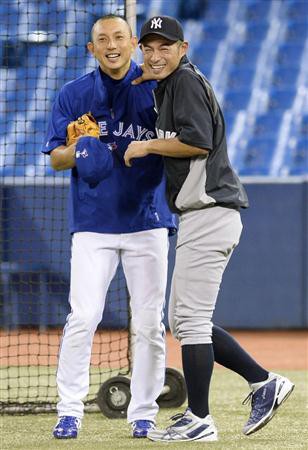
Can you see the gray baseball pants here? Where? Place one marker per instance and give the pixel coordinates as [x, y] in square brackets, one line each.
[206, 240]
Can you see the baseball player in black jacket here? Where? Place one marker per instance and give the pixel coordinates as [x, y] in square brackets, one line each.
[207, 195]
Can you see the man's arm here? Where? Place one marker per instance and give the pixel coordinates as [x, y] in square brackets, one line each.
[165, 147]
[63, 158]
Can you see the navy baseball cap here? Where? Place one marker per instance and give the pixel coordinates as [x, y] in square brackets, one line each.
[94, 160]
[165, 26]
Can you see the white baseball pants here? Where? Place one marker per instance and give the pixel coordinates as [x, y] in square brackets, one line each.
[206, 239]
[94, 261]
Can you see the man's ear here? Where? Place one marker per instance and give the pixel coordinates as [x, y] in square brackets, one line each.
[134, 42]
[184, 48]
[90, 47]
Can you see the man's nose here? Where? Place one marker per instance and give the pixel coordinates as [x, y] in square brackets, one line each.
[155, 56]
[111, 43]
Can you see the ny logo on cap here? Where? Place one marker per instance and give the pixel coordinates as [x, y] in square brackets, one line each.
[156, 23]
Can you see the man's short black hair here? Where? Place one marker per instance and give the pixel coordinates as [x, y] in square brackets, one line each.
[108, 17]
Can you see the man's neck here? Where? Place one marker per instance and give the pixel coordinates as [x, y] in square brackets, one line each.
[117, 74]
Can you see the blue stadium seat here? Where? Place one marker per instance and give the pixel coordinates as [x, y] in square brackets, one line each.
[267, 125]
[56, 21]
[303, 129]
[296, 9]
[246, 56]
[290, 55]
[285, 77]
[98, 9]
[27, 78]
[216, 10]
[299, 158]
[203, 57]
[236, 100]
[194, 9]
[257, 10]
[28, 151]
[296, 32]
[76, 57]
[281, 98]
[240, 78]
[36, 55]
[229, 121]
[12, 52]
[255, 32]
[259, 153]
[169, 8]
[82, 33]
[9, 19]
[213, 32]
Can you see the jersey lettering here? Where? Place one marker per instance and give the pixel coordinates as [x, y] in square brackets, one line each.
[120, 130]
[129, 132]
[150, 135]
[136, 134]
[161, 134]
[103, 131]
[141, 132]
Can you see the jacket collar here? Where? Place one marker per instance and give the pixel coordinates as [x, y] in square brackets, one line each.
[103, 83]
[162, 84]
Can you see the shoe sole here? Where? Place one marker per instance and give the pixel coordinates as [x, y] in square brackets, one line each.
[211, 437]
[284, 390]
[138, 436]
[65, 437]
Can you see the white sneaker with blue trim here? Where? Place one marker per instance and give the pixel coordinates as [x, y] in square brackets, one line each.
[187, 427]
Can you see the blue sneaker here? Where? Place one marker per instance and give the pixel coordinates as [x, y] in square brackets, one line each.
[266, 397]
[140, 428]
[67, 427]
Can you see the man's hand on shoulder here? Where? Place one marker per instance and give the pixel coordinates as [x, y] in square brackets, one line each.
[147, 75]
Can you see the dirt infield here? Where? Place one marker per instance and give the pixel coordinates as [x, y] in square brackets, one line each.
[274, 349]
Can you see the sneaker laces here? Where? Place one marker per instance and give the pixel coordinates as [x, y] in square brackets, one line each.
[177, 416]
[256, 412]
[68, 421]
[179, 419]
[248, 398]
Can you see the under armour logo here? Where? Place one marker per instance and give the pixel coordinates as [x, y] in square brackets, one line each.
[156, 23]
[84, 153]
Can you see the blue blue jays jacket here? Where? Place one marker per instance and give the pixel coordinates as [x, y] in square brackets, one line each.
[130, 199]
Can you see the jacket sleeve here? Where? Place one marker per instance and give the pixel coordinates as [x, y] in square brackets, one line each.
[191, 111]
[61, 116]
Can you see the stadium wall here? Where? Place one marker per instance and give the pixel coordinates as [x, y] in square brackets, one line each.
[265, 285]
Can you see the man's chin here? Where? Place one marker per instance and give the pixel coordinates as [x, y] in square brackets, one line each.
[159, 75]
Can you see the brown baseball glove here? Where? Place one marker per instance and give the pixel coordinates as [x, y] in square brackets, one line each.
[85, 125]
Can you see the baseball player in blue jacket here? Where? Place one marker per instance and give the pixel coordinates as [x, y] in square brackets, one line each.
[115, 213]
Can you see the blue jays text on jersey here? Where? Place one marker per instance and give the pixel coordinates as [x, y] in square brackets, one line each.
[130, 199]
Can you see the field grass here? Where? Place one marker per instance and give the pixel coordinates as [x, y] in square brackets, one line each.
[288, 430]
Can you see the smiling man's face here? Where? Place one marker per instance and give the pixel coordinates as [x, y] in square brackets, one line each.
[162, 56]
[112, 45]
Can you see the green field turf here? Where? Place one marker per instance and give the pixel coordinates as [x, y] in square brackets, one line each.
[287, 430]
